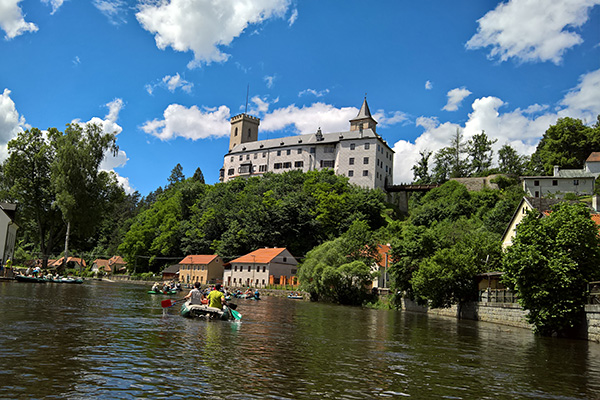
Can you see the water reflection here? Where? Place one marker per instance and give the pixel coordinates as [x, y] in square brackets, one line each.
[105, 340]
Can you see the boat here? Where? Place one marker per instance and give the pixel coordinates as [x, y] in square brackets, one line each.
[204, 311]
[31, 279]
[70, 280]
[295, 296]
[168, 292]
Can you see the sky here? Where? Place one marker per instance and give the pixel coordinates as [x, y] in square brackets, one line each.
[166, 76]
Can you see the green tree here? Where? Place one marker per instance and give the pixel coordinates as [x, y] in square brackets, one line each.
[421, 169]
[442, 169]
[549, 264]
[76, 177]
[479, 150]
[567, 144]
[198, 176]
[176, 175]
[510, 162]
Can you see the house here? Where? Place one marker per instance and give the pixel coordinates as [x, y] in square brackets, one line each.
[72, 262]
[171, 273]
[578, 181]
[542, 205]
[359, 154]
[381, 265]
[117, 264]
[101, 265]
[8, 231]
[262, 267]
[206, 269]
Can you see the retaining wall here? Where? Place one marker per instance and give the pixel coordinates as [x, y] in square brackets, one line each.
[506, 314]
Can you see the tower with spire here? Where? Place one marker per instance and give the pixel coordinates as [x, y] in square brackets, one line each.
[363, 120]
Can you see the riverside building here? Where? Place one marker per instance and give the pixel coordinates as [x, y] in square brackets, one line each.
[359, 154]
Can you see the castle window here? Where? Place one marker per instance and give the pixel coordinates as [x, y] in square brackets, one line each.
[287, 164]
[235, 133]
[299, 151]
[230, 171]
[554, 182]
[231, 158]
[351, 161]
[247, 156]
[277, 165]
[366, 160]
[278, 152]
[262, 168]
[327, 163]
[288, 152]
[255, 156]
[575, 182]
[313, 150]
[366, 172]
[352, 146]
[329, 149]
[249, 133]
[367, 146]
[350, 173]
[241, 157]
[299, 164]
[264, 154]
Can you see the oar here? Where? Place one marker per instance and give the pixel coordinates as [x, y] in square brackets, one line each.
[170, 302]
[235, 314]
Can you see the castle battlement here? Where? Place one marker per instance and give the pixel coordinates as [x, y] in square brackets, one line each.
[244, 116]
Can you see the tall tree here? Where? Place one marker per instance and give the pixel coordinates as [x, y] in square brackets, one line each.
[459, 162]
[567, 144]
[421, 169]
[479, 149]
[198, 176]
[510, 162]
[76, 176]
[176, 175]
[442, 169]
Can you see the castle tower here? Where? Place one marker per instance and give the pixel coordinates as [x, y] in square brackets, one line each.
[244, 128]
[363, 120]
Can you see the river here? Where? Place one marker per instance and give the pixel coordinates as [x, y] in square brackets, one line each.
[106, 340]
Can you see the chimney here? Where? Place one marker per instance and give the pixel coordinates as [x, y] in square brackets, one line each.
[556, 168]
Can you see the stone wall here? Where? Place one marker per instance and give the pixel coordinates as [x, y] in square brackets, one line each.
[506, 314]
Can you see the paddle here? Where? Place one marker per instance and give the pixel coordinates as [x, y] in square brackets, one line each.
[235, 314]
[170, 302]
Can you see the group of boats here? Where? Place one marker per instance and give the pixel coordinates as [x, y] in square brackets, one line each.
[44, 279]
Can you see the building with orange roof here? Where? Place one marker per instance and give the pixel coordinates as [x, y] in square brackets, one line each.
[203, 268]
[101, 265]
[381, 265]
[262, 267]
[117, 264]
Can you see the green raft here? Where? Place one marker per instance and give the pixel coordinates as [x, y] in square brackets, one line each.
[161, 292]
[203, 311]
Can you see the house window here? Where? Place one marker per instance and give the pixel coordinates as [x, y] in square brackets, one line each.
[249, 268]
[537, 194]
[235, 268]
[263, 282]
[575, 182]
[350, 173]
[264, 268]
[277, 165]
[299, 164]
[554, 182]
[367, 146]
[287, 164]
[352, 146]
[366, 172]
[351, 161]
[536, 183]
[366, 160]
[234, 280]
[230, 171]
[284, 259]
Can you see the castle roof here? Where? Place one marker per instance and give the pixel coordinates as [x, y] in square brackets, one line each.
[364, 112]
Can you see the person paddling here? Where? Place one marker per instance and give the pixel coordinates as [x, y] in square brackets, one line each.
[195, 295]
[216, 298]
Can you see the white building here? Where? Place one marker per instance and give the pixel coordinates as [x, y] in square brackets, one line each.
[262, 267]
[8, 231]
[359, 154]
[578, 181]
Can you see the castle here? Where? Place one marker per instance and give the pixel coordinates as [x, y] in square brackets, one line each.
[359, 154]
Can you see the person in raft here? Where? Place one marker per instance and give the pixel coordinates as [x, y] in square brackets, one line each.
[195, 295]
[156, 287]
[216, 298]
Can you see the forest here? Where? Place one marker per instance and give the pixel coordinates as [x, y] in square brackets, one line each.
[68, 205]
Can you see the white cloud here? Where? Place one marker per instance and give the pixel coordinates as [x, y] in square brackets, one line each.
[11, 123]
[269, 80]
[455, 98]
[12, 21]
[171, 83]
[55, 4]
[204, 26]
[428, 85]
[293, 17]
[76, 61]
[313, 92]
[114, 10]
[522, 129]
[309, 118]
[532, 30]
[190, 123]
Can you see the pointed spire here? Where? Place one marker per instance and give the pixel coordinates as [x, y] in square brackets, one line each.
[364, 119]
[364, 110]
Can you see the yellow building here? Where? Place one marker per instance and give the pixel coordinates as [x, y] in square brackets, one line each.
[206, 269]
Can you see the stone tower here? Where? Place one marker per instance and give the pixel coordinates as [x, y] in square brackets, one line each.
[244, 129]
[363, 120]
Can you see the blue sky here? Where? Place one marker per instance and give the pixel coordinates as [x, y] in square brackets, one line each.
[168, 75]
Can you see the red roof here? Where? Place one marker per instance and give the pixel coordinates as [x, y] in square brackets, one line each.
[596, 219]
[260, 256]
[201, 259]
[384, 249]
[594, 157]
[116, 260]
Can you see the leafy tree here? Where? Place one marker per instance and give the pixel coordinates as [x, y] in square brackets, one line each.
[567, 144]
[479, 149]
[76, 176]
[339, 270]
[442, 169]
[449, 201]
[510, 162]
[549, 264]
[421, 169]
